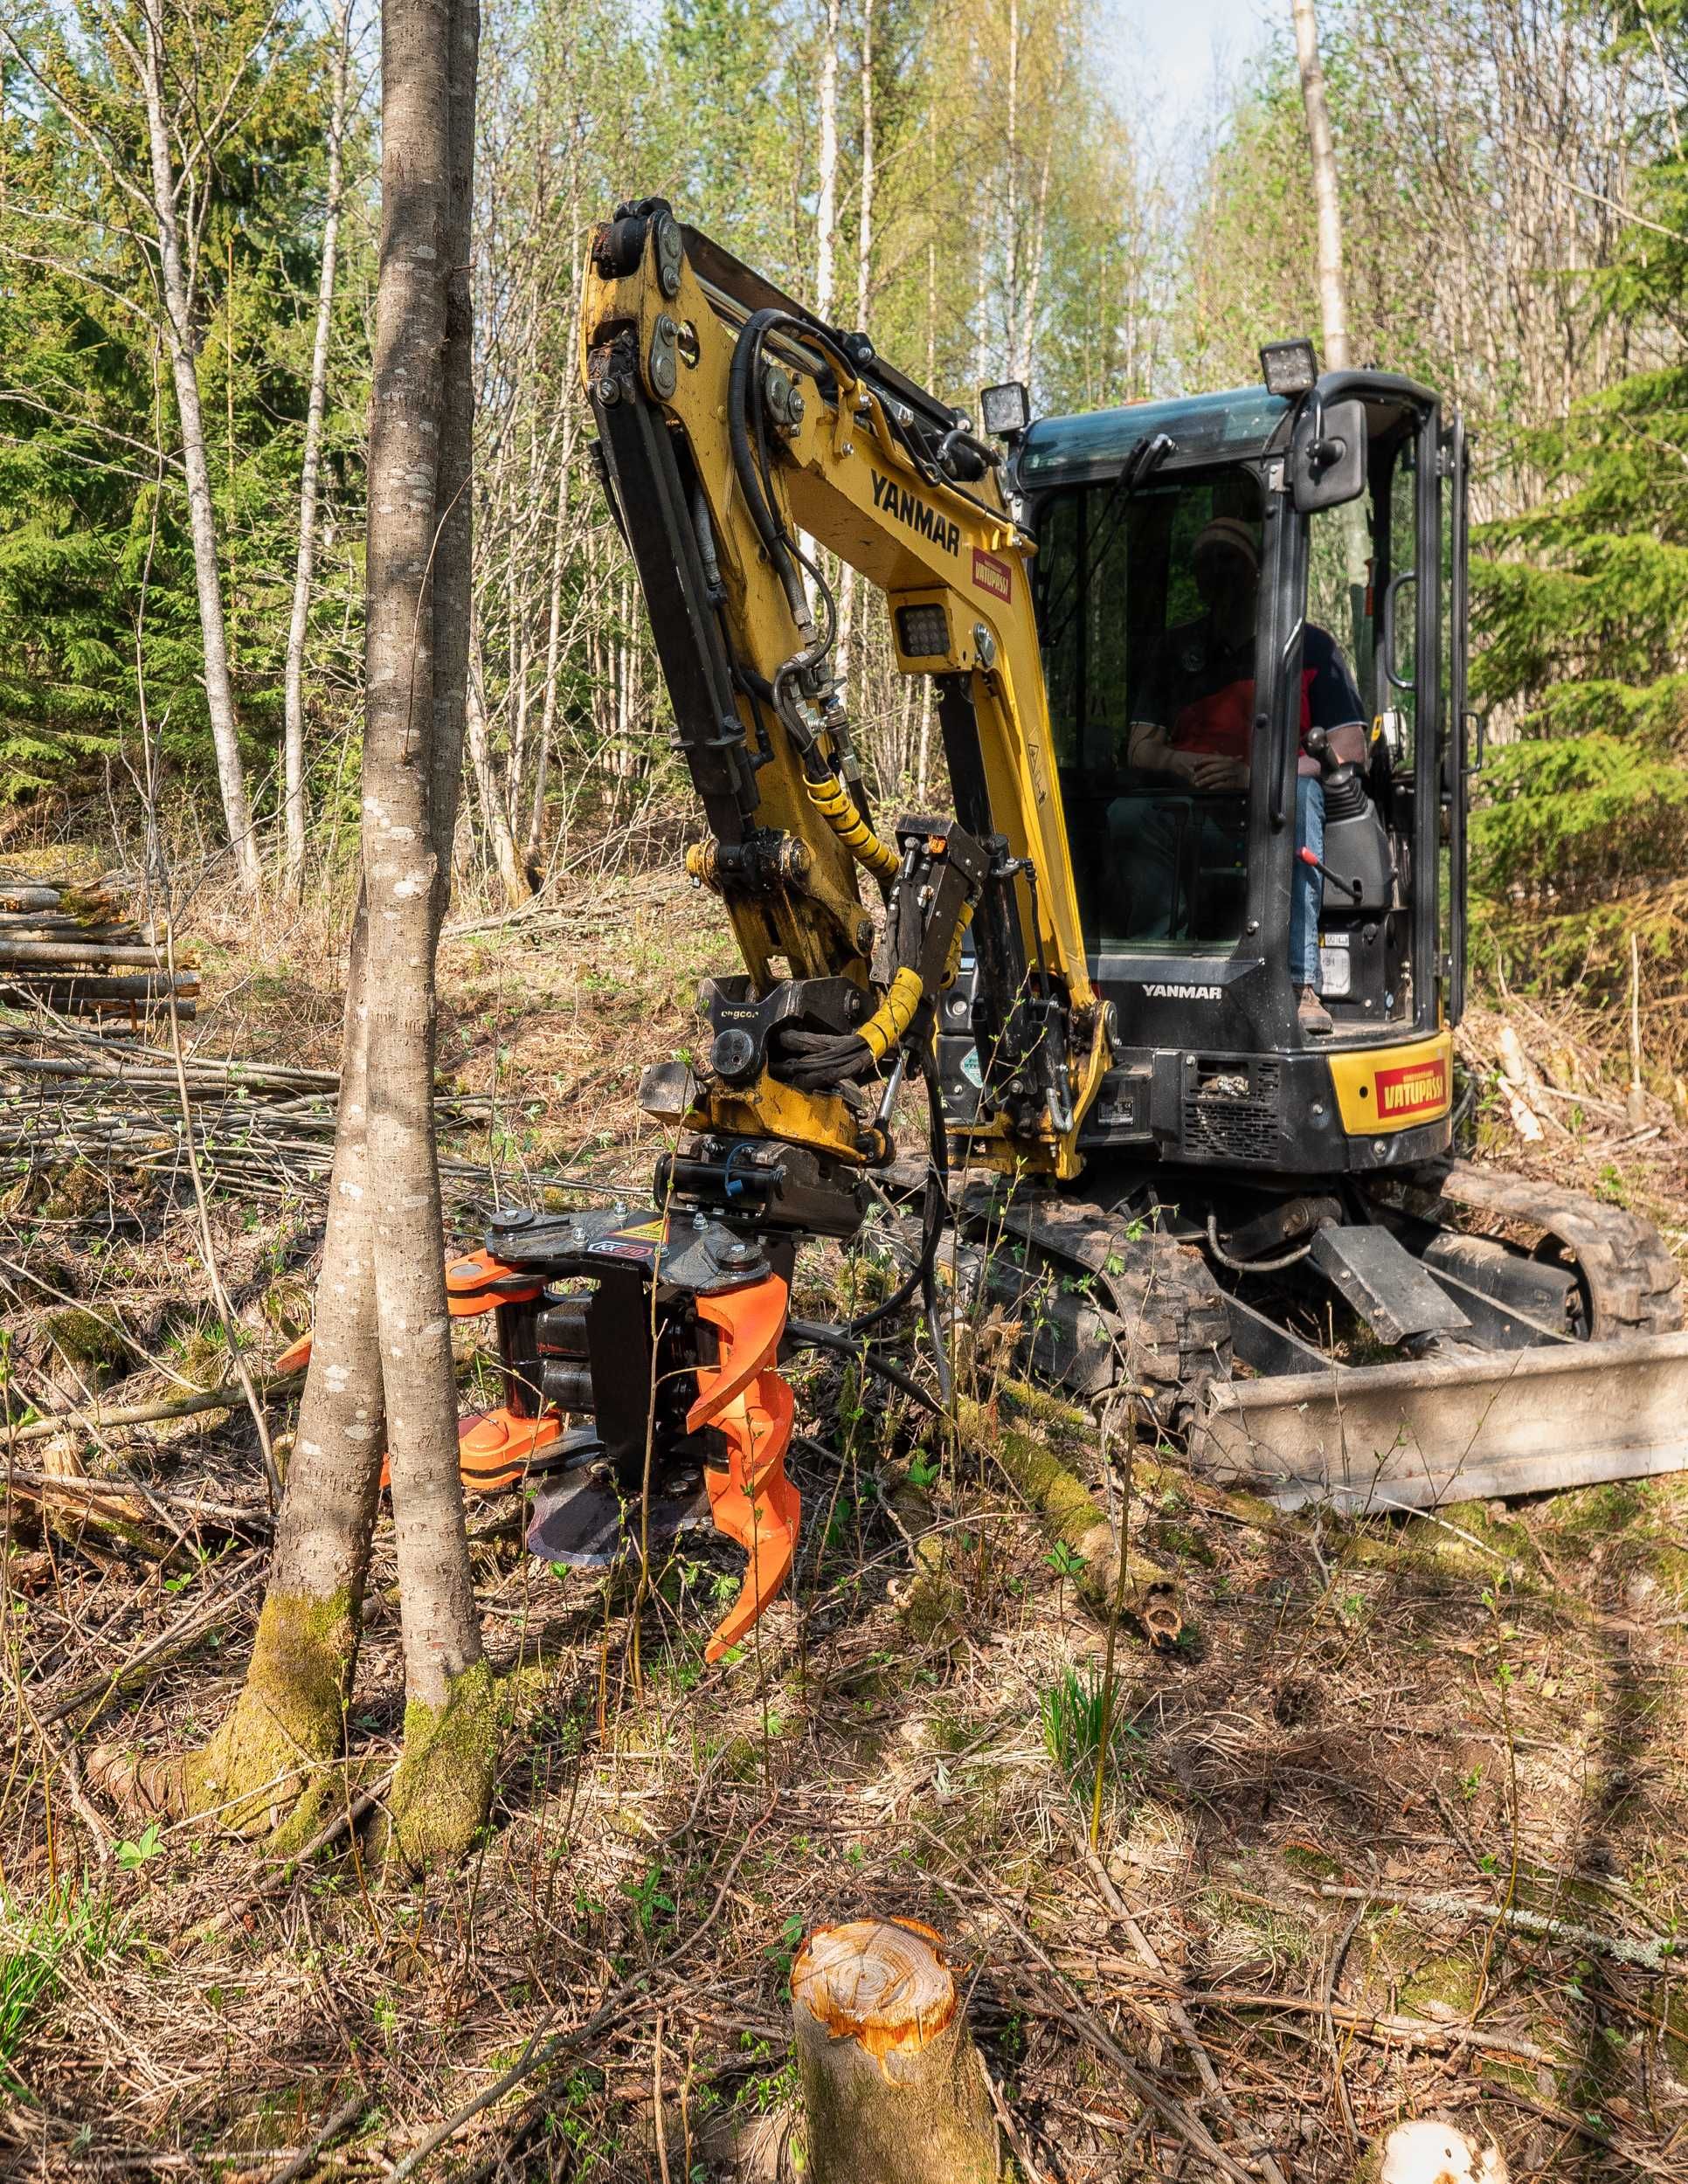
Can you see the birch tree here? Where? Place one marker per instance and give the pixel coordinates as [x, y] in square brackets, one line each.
[310, 463]
[1333, 285]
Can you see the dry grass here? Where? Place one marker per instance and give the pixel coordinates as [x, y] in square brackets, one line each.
[1375, 1739]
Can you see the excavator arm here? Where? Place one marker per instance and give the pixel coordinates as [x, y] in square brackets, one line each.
[738, 434]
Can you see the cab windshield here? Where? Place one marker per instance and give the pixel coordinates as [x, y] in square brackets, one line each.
[1148, 605]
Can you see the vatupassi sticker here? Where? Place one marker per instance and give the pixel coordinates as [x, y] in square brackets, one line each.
[994, 576]
[1420, 1088]
[910, 508]
[1183, 992]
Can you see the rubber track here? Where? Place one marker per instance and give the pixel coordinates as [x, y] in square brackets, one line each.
[1633, 1284]
[1154, 1310]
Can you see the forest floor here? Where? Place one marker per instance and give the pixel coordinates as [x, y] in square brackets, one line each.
[1397, 1828]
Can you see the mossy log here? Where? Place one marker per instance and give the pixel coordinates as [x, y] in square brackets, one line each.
[893, 2089]
[1071, 1514]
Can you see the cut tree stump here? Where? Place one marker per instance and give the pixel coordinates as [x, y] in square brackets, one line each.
[893, 2088]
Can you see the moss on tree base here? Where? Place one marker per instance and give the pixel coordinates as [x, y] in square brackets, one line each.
[443, 1790]
[265, 1771]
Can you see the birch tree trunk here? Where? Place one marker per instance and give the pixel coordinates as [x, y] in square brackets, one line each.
[863, 292]
[417, 659]
[1332, 289]
[184, 372]
[294, 683]
[494, 816]
[826, 205]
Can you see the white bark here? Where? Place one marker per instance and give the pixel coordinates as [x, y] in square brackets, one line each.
[863, 291]
[1333, 289]
[826, 207]
[494, 816]
[219, 693]
[310, 465]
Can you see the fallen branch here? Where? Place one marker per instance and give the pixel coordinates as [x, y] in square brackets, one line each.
[220, 1399]
[105, 1688]
[1658, 1957]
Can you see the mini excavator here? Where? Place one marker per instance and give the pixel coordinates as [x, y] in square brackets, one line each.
[1240, 1210]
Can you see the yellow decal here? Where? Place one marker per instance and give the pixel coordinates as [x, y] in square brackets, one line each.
[1394, 1087]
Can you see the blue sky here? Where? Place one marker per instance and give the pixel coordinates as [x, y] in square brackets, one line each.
[1170, 50]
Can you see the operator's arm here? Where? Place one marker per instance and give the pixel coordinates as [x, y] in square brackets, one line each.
[1149, 739]
[1152, 741]
[1330, 700]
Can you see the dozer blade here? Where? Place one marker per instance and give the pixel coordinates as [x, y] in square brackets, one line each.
[744, 1397]
[1449, 1429]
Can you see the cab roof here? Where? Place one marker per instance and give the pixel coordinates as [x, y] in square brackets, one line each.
[1235, 425]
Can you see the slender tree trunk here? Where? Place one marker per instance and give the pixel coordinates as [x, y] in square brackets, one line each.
[863, 291]
[268, 1766]
[196, 464]
[494, 816]
[536, 840]
[1332, 289]
[293, 682]
[417, 653]
[827, 206]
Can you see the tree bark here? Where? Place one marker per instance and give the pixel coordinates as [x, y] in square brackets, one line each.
[827, 204]
[893, 2089]
[417, 659]
[863, 290]
[1332, 289]
[184, 372]
[494, 816]
[268, 1765]
[309, 469]
[534, 848]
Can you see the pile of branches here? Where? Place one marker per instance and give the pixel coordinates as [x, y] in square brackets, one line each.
[74, 1094]
[73, 950]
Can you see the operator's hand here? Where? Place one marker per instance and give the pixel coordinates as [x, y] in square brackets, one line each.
[1212, 771]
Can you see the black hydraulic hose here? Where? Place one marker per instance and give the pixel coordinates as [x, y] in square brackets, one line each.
[1253, 1266]
[738, 379]
[813, 1336]
[935, 1206]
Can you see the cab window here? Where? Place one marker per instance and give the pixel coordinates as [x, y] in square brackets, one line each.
[1148, 607]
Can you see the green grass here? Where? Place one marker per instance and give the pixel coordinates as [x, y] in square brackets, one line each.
[68, 1923]
[1071, 1710]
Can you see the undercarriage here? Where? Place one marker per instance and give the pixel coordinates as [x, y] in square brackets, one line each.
[1430, 1336]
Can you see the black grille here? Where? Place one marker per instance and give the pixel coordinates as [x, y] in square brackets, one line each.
[1232, 1125]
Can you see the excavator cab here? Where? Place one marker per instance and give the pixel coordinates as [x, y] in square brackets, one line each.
[1241, 595]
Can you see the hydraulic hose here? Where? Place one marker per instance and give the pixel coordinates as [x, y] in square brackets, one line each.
[835, 804]
[894, 1015]
[935, 1205]
[813, 1336]
[1252, 1265]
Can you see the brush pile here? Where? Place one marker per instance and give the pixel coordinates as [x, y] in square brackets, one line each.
[72, 947]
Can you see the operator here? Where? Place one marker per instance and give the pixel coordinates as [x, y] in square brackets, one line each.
[1195, 718]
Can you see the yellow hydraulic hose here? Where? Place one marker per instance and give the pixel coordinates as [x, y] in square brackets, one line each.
[894, 1015]
[832, 799]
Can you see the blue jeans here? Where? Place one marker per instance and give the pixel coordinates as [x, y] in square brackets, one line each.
[1309, 890]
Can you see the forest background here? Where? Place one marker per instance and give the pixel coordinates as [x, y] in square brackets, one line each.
[187, 225]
